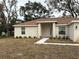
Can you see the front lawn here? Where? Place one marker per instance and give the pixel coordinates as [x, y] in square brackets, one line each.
[11, 48]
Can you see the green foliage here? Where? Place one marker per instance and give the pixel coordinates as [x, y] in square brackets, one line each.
[70, 6]
[13, 21]
[10, 7]
[33, 10]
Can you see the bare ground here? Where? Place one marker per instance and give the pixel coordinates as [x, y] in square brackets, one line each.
[26, 49]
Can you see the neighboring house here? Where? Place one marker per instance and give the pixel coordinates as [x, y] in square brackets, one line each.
[54, 27]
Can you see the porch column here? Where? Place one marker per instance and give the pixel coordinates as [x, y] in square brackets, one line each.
[39, 30]
[54, 30]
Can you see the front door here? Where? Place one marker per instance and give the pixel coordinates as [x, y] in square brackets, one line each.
[46, 30]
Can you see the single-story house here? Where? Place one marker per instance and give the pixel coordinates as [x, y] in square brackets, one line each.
[49, 27]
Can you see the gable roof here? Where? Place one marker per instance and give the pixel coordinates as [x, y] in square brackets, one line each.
[48, 20]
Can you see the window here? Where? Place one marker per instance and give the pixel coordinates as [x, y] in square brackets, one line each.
[23, 30]
[76, 27]
[62, 30]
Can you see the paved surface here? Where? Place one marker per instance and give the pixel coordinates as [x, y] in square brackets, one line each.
[64, 44]
[42, 41]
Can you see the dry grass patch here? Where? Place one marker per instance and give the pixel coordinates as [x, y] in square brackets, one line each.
[11, 48]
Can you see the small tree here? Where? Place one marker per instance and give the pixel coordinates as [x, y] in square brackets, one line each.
[10, 10]
[2, 20]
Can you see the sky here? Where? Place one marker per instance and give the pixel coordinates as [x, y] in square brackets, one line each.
[22, 2]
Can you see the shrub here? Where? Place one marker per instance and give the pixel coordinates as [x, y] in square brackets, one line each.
[17, 37]
[54, 37]
[59, 37]
[35, 37]
[67, 37]
[30, 37]
[20, 36]
[50, 37]
[63, 37]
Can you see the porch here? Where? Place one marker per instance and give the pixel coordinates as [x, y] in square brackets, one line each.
[47, 30]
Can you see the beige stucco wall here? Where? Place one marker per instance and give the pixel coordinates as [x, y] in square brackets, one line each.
[76, 32]
[29, 31]
[17, 31]
[71, 31]
[41, 30]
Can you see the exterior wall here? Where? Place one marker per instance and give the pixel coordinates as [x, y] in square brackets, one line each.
[29, 31]
[76, 32]
[71, 31]
[17, 31]
[46, 30]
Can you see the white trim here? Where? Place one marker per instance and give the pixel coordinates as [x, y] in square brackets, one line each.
[62, 24]
[23, 25]
[74, 21]
[45, 21]
[49, 22]
[62, 44]
[39, 30]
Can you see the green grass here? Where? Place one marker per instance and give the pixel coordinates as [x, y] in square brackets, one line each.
[11, 48]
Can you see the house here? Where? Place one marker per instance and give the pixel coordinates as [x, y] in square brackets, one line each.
[49, 27]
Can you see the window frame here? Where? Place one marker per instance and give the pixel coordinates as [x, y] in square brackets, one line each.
[23, 30]
[62, 30]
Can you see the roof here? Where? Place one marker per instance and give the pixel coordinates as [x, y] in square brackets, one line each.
[48, 20]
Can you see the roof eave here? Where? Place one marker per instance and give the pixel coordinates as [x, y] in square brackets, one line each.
[46, 21]
[24, 25]
[75, 21]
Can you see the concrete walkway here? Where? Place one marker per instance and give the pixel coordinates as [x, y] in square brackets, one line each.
[42, 41]
[63, 44]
